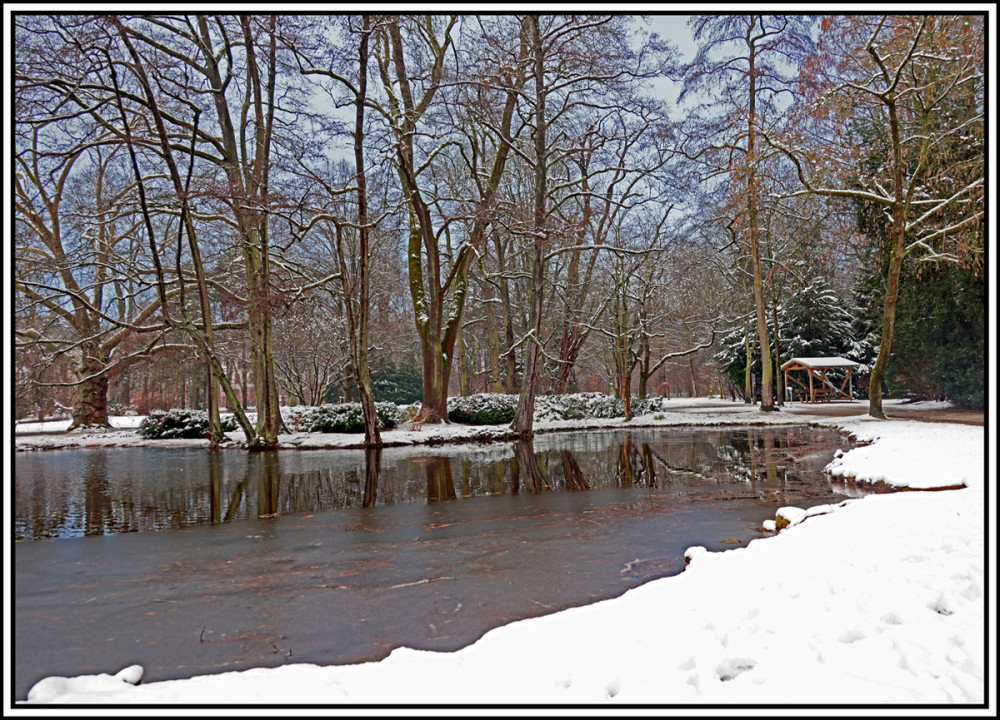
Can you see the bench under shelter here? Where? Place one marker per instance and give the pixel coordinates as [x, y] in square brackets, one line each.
[819, 388]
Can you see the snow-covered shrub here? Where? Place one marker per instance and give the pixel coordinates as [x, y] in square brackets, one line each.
[585, 406]
[497, 409]
[347, 418]
[482, 409]
[178, 423]
[647, 406]
[577, 406]
[295, 416]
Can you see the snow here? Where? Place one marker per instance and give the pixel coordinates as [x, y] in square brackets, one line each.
[896, 458]
[878, 600]
[118, 422]
[678, 411]
[821, 362]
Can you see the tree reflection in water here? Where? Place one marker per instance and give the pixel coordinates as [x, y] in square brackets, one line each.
[104, 491]
[265, 466]
[215, 485]
[572, 473]
[527, 462]
[373, 465]
[440, 485]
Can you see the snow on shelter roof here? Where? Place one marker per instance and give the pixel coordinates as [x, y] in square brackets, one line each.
[820, 362]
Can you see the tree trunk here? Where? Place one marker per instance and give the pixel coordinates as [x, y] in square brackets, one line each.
[644, 355]
[767, 387]
[464, 372]
[261, 351]
[91, 404]
[895, 265]
[434, 406]
[359, 355]
[748, 374]
[569, 352]
[626, 391]
[777, 351]
[690, 359]
[495, 382]
[510, 383]
[524, 415]
[125, 390]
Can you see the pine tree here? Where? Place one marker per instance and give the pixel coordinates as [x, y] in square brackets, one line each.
[813, 322]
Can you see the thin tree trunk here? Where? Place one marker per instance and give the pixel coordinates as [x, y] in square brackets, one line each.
[767, 387]
[748, 374]
[510, 382]
[777, 350]
[524, 415]
[362, 374]
[895, 266]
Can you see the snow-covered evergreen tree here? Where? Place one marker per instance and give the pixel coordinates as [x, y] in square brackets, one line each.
[813, 322]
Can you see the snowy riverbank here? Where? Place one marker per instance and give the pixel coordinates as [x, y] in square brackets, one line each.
[883, 600]
[679, 411]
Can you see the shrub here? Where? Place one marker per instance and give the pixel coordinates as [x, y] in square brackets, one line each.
[347, 418]
[482, 409]
[578, 406]
[177, 423]
[498, 409]
[647, 405]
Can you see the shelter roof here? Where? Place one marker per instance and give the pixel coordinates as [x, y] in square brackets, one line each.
[819, 362]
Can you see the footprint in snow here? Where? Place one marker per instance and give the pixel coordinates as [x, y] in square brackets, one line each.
[732, 667]
[851, 636]
[943, 605]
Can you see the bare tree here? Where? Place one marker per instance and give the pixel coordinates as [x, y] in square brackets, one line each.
[577, 62]
[748, 61]
[411, 57]
[77, 263]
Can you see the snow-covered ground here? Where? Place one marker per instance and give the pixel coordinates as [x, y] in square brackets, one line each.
[676, 411]
[878, 600]
[117, 422]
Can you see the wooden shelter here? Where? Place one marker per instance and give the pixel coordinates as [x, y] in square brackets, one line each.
[819, 387]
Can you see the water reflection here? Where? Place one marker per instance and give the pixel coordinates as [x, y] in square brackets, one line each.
[100, 491]
[528, 466]
[215, 485]
[265, 466]
[373, 466]
[572, 474]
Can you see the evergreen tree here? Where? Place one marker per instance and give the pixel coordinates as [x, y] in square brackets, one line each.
[399, 383]
[813, 322]
[940, 346]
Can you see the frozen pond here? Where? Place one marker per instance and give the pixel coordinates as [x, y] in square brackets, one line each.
[190, 562]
